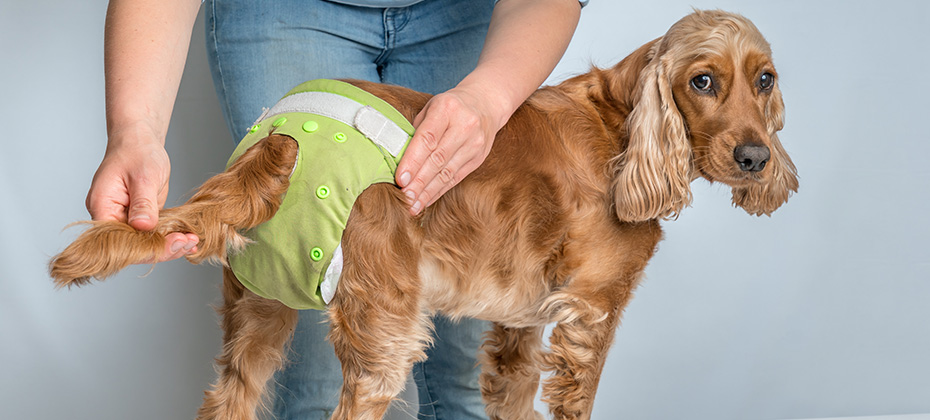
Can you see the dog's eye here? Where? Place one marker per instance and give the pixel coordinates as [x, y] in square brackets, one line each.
[766, 81]
[703, 83]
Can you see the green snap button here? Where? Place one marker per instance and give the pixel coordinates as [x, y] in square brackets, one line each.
[311, 126]
[279, 122]
[316, 254]
[322, 192]
[255, 128]
[340, 137]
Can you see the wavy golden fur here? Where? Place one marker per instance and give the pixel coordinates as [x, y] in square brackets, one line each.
[556, 226]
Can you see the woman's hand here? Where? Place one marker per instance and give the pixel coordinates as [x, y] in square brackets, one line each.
[130, 186]
[455, 132]
[456, 129]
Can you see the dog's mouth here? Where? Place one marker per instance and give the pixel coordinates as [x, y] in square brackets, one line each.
[744, 179]
[732, 175]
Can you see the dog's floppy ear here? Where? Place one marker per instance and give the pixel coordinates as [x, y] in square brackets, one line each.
[652, 176]
[765, 197]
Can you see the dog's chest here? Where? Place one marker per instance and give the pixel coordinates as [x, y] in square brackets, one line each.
[481, 295]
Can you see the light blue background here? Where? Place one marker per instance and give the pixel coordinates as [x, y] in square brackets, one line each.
[819, 311]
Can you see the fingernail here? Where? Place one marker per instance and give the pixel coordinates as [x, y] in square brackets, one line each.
[189, 246]
[416, 207]
[404, 179]
[410, 196]
[176, 246]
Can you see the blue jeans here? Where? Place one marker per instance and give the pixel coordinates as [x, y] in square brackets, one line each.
[258, 51]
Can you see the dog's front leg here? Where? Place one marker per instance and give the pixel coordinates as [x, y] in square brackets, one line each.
[578, 348]
[255, 334]
[510, 372]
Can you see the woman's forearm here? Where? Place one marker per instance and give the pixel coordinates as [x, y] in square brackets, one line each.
[526, 39]
[145, 48]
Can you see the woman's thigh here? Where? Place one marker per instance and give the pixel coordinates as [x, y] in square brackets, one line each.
[437, 45]
[259, 50]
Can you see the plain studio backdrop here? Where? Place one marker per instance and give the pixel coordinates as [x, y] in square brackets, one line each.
[821, 310]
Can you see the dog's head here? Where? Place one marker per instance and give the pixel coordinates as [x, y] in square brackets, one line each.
[707, 104]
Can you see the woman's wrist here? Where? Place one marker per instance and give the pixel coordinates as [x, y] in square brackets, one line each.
[520, 52]
[498, 103]
[132, 135]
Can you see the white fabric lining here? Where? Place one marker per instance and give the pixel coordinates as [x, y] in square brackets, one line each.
[332, 275]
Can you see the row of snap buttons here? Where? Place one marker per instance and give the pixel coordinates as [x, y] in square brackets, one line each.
[323, 191]
[309, 127]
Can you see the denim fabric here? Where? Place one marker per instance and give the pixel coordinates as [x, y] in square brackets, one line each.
[378, 3]
[258, 51]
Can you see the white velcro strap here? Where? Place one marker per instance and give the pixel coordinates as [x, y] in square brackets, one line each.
[381, 130]
[373, 124]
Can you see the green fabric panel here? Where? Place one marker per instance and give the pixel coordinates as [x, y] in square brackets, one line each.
[278, 264]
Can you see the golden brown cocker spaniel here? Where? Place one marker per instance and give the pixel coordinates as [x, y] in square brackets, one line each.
[556, 226]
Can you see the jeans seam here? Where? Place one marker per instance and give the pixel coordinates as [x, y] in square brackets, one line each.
[429, 392]
[211, 25]
[388, 40]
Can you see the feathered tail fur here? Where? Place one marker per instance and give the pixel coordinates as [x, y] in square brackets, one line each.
[244, 196]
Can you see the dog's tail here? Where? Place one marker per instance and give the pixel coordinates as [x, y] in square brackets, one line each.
[244, 196]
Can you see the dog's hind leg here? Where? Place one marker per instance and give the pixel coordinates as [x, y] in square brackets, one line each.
[247, 194]
[510, 372]
[255, 334]
[378, 327]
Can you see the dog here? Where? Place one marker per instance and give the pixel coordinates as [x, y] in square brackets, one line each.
[556, 226]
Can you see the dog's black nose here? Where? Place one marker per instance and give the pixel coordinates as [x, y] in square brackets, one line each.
[751, 157]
